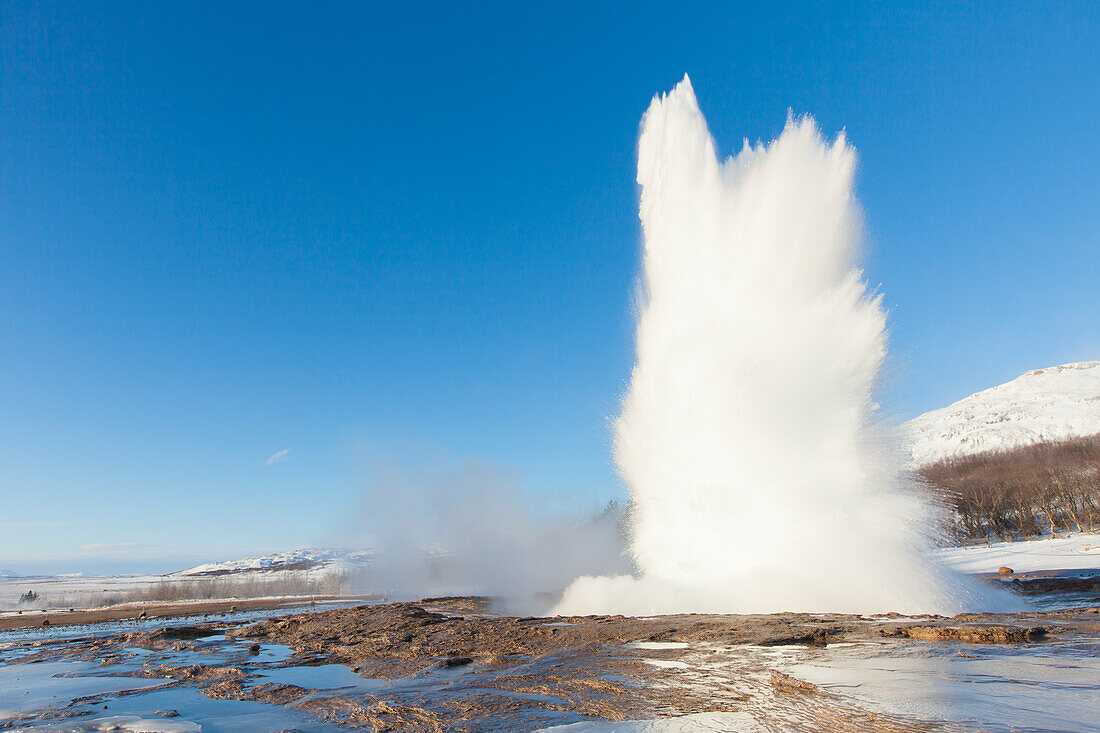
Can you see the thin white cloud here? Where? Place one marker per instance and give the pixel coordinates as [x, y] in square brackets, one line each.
[278, 457]
[111, 547]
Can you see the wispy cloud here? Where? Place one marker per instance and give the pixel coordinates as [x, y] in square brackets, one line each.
[278, 457]
[112, 547]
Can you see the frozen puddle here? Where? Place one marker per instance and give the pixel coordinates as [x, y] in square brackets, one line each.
[25, 688]
[1053, 686]
[196, 712]
[666, 663]
[51, 696]
[131, 723]
[698, 723]
[320, 677]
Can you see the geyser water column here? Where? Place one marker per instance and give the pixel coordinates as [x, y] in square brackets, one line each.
[758, 480]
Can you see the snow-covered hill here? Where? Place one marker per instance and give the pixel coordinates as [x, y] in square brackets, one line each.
[315, 560]
[1043, 405]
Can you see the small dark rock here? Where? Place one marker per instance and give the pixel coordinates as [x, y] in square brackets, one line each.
[456, 661]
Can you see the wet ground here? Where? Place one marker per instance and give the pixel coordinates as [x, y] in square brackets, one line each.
[451, 665]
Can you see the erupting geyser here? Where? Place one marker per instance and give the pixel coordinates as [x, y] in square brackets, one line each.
[759, 481]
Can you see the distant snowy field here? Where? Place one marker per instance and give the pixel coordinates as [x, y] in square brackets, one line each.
[1076, 552]
[1043, 405]
[311, 564]
[74, 587]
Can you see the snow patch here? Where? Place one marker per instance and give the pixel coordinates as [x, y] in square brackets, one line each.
[1078, 552]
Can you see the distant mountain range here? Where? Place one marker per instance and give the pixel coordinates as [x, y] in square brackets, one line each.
[1039, 406]
[311, 559]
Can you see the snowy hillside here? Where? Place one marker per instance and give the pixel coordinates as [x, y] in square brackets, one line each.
[324, 561]
[1039, 406]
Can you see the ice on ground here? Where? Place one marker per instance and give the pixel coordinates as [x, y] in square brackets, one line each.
[129, 723]
[28, 687]
[698, 723]
[666, 663]
[1041, 689]
[1076, 552]
[659, 645]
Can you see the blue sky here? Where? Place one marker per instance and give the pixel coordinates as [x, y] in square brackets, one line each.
[360, 230]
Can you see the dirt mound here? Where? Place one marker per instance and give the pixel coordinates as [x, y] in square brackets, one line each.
[998, 634]
[401, 638]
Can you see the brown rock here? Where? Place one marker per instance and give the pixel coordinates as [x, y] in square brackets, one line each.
[793, 685]
[989, 634]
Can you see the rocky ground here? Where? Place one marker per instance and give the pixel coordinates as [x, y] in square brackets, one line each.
[449, 664]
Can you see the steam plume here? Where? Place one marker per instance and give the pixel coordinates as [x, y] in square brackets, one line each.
[746, 437]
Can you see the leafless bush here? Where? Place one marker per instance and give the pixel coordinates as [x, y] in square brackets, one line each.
[197, 588]
[251, 585]
[1028, 491]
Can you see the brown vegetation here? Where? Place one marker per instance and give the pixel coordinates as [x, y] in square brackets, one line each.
[248, 584]
[245, 585]
[1028, 491]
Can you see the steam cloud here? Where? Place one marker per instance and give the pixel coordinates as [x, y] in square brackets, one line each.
[465, 530]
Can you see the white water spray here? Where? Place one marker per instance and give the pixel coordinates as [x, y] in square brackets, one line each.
[759, 483]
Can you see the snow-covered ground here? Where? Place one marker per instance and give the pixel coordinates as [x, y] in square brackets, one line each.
[309, 567]
[77, 590]
[1076, 552]
[1039, 406]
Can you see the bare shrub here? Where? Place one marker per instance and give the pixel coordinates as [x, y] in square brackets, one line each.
[216, 587]
[251, 585]
[1024, 492]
